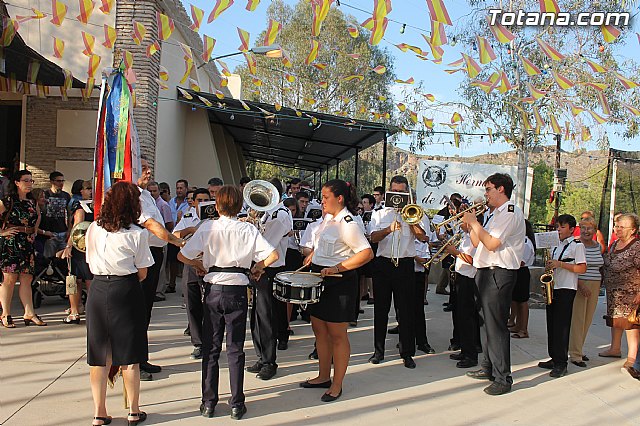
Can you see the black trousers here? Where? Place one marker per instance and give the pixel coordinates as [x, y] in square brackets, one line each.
[453, 305]
[495, 286]
[398, 282]
[559, 325]
[150, 284]
[467, 316]
[268, 318]
[195, 310]
[225, 308]
[419, 317]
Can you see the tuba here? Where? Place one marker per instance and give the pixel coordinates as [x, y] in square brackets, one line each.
[260, 196]
[78, 236]
[546, 280]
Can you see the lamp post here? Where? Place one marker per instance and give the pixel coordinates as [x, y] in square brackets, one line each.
[271, 51]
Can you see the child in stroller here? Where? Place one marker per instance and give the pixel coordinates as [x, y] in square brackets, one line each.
[50, 278]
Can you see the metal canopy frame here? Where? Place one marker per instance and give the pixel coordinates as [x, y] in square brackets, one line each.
[291, 138]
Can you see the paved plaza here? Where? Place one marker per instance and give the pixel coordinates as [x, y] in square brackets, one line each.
[44, 380]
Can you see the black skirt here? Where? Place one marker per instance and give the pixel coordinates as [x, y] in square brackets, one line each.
[79, 266]
[116, 321]
[338, 299]
[521, 289]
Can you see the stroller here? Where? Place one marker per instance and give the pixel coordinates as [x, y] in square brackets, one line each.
[50, 279]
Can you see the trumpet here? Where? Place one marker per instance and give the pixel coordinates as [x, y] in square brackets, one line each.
[439, 255]
[547, 279]
[451, 223]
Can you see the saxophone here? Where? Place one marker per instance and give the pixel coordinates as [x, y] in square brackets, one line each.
[546, 279]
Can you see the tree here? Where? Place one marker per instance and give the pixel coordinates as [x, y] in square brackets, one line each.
[540, 210]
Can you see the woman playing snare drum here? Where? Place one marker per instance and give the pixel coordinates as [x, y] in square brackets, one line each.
[340, 247]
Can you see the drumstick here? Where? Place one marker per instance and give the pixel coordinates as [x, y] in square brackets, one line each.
[318, 274]
[301, 268]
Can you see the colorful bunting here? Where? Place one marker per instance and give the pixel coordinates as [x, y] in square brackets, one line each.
[626, 83]
[505, 85]
[86, 9]
[378, 30]
[313, 53]
[457, 63]
[604, 103]
[402, 107]
[94, 63]
[529, 67]
[575, 109]
[252, 64]
[68, 75]
[37, 14]
[188, 67]
[107, 6]
[188, 55]
[456, 118]
[244, 40]
[549, 6]
[225, 68]
[89, 41]
[633, 110]
[165, 26]
[88, 89]
[598, 86]
[525, 121]
[252, 5]
[359, 77]
[320, 9]
[9, 29]
[473, 69]
[609, 32]
[323, 84]
[194, 85]
[595, 67]
[597, 117]
[58, 11]
[110, 35]
[501, 34]
[438, 11]
[163, 74]
[32, 71]
[535, 93]
[540, 124]
[286, 60]
[320, 65]
[58, 47]
[410, 80]
[205, 101]
[485, 50]
[562, 81]
[549, 51]
[428, 122]
[380, 69]
[220, 6]
[208, 43]
[139, 32]
[430, 97]
[438, 36]
[272, 32]
[555, 126]
[196, 17]
[353, 30]
[127, 59]
[153, 48]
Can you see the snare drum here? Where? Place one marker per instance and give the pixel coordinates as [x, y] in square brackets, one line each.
[301, 289]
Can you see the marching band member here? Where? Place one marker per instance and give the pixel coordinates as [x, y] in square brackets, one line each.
[378, 195]
[499, 253]
[118, 255]
[269, 315]
[395, 240]
[568, 261]
[228, 247]
[340, 247]
[190, 279]
[421, 274]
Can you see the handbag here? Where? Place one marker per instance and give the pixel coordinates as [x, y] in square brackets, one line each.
[71, 280]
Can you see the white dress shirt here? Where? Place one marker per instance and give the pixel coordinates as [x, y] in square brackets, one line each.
[422, 250]
[466, 247]
[189, 219]
[338, 239]
[506, 223]
[227, 242]
[149, 210]
[529, 255]
[380, 219]
[309, 235]
[277, 224]
[117, 253]
[572, 252]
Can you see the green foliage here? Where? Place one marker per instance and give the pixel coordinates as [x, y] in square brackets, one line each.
[540, 211]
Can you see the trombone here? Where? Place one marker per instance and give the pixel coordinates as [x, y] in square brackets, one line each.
[454, 221]
[439, 255]
[411, 214]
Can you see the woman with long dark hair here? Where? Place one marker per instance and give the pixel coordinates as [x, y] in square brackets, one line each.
[118, 255]
[340, 247]
[20, 218]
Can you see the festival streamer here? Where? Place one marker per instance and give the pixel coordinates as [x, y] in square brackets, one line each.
[153, 48]
[107, 6]
[86, 9]
[89, 41]
[438, 35]
[485, 50]
[610, 33]
[626, 83]
[244, 40]
[139, 32]
[208, 43]
[252, 5]
[313, 53]
[438, 11]
[58, 11]
[320, 9]
[549, 6]
[562, 81]
[220, 6]
[353, 30]
[549, 51]
[197, 15]
[165, 26]
[473, 69]
[110, 35]
[58, 47]
[501, 34]
[272, 32]
[529, 67]
[595, 67]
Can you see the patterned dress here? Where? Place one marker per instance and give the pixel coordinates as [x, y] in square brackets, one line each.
[18, 255]
[622, 278]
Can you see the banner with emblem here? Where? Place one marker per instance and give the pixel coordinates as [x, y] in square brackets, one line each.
[437, 179]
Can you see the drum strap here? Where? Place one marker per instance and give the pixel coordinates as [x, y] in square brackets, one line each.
[230, 269]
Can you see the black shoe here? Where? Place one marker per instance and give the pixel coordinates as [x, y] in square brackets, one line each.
[159, 298]
[324, 385]
[145, 377]
[546, 364]
[466, 363]
[426, 348]
[365, 297]
[283, 346]
[314, 354]
[579, 363]
[361, 311]
[585, 358]
[480, 375]
[255, 368]
[454, 347]
[409, 362]
[290, 332]
[206, 411]
[394, 330]
[457, 356]
[238, 412]
[445, 292]
[376, 359]
[328, 398]
[141, 417]
[197, 353]
[426, 302]
[150, 368]
[448, 308]
[496, 388]
[267, 372]
[370, 301]
[170, 290]
[558, 371]
[187, 332]
[353, 323]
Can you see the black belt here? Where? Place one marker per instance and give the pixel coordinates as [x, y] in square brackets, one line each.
[229, 269]
[493, 267]
[228, 288]
[115, 277]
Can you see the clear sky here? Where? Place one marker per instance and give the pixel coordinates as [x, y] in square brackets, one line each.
[413, 13]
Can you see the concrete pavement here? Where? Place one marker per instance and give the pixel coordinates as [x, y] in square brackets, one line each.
[44, 380]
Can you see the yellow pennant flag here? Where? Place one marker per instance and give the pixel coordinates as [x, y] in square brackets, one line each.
[585, 134]
[89, 41]
[94, 63]
[127, 58]
[473, 69]
[218, 94]
[535, 93]
[438, 36]
[598, 86]
[110, 35]
[290, 78]
[319, 9]
[402, 107]
[555, 126]
[549, 51]
[196, 17]
[604, 103]
[205, 101]
[633, 110]
[58, 11]
[456, 118]
[353, 30]
[107, 6]
[252, 5]
[428, 122]
[562, 81]
[610, 33]
[626, 83]
[438, 11]
[220, 6]
[575, 109]
[595, 67]
[165, 26]
[58, 47]
[313, 53]
[410, 80]
[244, 40]
[86, 9]
[225, 68]
[194, 85]
[320, 65]
[32, 71]
[378, 30]
[272, 32]
[323, 84]
[456, 139]
[529, 67]
[429, 97]
[540, 124]
[380, 69]
[359, 77]
[286, 60]
[549, 6]
[139, 32]
[208, 43]
[597, 117]
[188, 67]
[525, 121]
[184, 93]
[485, 50]
[501, 34]
[413, 116]
[153, 48]
[252, 64]
[163, 74]
[224, 81]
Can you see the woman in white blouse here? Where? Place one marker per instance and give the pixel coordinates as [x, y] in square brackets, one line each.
[118, 255]
[340, 247]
